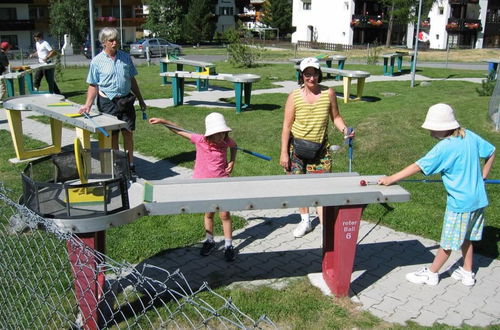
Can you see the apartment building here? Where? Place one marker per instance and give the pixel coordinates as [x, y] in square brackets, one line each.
[460, 23]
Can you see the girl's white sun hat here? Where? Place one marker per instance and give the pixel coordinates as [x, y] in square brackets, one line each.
[215, 123]
[440, 117]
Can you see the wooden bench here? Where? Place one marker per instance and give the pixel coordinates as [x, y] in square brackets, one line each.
[328, 60]
[49, 71]
[390, 58]
[242, 85]
[347, 77]
[206, 67]
[10, 79]
[24, 75]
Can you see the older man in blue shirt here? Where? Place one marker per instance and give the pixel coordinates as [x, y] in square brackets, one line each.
[112, 80]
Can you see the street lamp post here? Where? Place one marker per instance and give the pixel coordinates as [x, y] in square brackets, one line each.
[91, 20]
[415, 52]
[121, 26]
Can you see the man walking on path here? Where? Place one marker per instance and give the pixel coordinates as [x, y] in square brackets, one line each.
[44, 52]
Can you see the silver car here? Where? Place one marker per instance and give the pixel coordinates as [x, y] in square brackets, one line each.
[155, 46]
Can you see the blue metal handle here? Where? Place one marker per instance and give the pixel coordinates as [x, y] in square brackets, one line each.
[256, 154]
[103, 131]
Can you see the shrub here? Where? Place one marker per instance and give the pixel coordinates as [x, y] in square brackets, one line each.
[487, 86]
[243, 52]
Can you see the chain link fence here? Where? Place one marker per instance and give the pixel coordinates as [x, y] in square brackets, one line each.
[51, 279]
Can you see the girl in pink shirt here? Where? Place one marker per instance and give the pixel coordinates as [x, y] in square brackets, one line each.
[211, 162]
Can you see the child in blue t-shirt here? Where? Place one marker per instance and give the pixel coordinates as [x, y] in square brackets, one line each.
[457, 158]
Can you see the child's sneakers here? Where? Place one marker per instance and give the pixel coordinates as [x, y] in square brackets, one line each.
[302, 228]
[423, 276]
[229, 253]
[466, 277]
[207, 248]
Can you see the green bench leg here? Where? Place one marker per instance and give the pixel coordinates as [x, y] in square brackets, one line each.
[10, 87]
[201, 84]
[164, 68]
[29, 82]
[248, 93]
[328, 64]
[400, 63]
[386, 68]
[341, 67]
[178, 90]
[239, 90]
[22, 89]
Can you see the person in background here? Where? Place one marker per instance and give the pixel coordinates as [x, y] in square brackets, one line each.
[211, 162]
[112, 80]
[4, 66]
[457, 158]
[304, 137]
[44, 52]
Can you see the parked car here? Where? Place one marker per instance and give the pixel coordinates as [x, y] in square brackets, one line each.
[156, 46]
[87, 48]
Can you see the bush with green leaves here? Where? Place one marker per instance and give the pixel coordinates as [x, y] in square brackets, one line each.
[373, 54]
[243, 52]
[487, 86]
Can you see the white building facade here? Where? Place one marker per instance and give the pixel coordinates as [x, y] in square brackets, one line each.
[225, 11]
[449, 22]
[323, 21]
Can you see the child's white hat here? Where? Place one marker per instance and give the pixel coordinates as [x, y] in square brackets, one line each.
[440, 117]
[215, 123]
[309, 62]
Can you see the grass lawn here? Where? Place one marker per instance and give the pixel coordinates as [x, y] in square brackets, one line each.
[388, 138]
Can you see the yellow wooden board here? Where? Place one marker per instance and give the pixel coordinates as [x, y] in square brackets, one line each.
[85, 195]
[59, 104]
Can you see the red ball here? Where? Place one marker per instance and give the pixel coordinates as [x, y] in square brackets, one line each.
[362, 183]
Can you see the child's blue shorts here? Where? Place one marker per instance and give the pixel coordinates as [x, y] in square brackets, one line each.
[458, 227]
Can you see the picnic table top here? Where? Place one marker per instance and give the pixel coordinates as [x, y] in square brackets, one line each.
[324, 59]
[187, 62]
[492, 60]
[238, 77]
[13, 75]
[57, 107]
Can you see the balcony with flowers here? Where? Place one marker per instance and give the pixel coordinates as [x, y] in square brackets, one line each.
[426, 24]
[104, 21]
[364, 21]
[462, 2]
[463, 25]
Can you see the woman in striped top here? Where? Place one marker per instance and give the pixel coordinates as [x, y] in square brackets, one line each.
[307, 113]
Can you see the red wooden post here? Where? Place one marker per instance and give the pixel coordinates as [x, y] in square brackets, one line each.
[89, 279]
[340, 234]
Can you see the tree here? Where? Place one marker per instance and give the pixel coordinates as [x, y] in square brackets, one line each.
[278, 14]
[69, 17]
[403, 12]
[199, 23]
[164, 19]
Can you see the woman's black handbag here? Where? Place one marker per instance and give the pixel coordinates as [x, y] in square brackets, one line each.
[125, 103]
[305, 149]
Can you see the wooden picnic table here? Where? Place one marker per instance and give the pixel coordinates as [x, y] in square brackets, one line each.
[242, 85]
[328, 60]
[60, 111]
[201, 67]
[391, 58]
